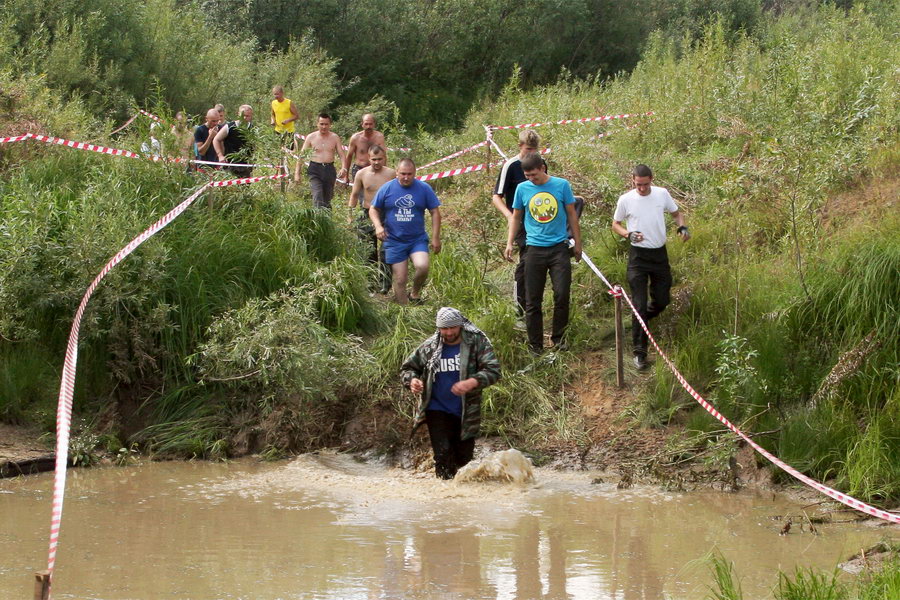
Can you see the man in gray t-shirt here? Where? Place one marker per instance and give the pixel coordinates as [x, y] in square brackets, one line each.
[640, 218]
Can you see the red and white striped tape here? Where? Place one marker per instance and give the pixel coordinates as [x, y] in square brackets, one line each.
[67, 385]
[455, 154]
[151, 115]
[460, 171]
[126, 153]
[820, 487]
[568, 121]
[464, 170]
[124, 125]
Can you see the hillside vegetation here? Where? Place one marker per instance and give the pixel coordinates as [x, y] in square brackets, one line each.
[247, 325]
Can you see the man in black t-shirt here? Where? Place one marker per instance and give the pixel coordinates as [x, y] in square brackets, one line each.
[232, 143]
[511, 175]
[204, 136]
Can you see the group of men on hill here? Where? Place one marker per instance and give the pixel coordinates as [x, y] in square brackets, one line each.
[451, 368]
[225, 143]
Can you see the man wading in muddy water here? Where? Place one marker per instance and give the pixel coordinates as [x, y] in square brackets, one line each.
[449, 370]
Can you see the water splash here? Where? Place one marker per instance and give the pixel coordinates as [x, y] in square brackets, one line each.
[507, 466]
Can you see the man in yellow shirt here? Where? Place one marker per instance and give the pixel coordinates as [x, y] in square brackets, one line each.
[284, 113]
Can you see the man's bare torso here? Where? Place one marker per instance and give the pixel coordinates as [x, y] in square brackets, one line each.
[361, 143]
[324, 146]
[372, 181]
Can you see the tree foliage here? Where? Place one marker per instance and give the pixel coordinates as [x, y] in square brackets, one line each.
[114, 54]
[435, 58]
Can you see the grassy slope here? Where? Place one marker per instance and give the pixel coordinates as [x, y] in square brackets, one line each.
[249, 326]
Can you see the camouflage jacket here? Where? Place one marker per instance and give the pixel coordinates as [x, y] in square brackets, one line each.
[476, 359]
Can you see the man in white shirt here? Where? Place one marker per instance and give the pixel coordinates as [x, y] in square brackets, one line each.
[640, 218]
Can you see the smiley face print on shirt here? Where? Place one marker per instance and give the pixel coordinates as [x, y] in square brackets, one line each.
[543, 207]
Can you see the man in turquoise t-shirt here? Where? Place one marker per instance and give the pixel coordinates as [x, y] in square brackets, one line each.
[547, 207]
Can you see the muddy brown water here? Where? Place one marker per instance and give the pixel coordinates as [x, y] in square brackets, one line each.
[329, 527]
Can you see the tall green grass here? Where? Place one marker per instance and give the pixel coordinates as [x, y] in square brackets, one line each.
[880, 583]
[206, 323]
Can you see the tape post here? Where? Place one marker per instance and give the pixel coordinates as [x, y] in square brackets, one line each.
[845, 499]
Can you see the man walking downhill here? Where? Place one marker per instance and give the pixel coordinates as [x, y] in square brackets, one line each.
[509, 178]
[321, 172]
[546, 205]
[284, 115]
[365, 185]
[358, 147]
[640, 218]
[450, 370]
[233, 141]
[404, 201]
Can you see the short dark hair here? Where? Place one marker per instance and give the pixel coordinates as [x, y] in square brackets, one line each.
[406, 160]
[532, 161]
[376, 149]
[324, 115]
[642, 171]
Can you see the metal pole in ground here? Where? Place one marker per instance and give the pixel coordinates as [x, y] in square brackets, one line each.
[620, 367]
[42, 585]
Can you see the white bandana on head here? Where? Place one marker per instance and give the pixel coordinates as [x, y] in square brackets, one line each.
[449, 317]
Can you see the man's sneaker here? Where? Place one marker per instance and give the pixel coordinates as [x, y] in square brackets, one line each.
[640, 362]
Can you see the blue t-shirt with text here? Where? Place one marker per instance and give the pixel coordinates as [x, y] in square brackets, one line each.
[545, 211]
[447, 374]
[403, 209]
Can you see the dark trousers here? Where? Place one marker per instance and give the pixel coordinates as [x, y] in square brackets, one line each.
[648, 270]
[366, 231]
[520, 273]
[538, 262]
[450, 452]
[321, 183]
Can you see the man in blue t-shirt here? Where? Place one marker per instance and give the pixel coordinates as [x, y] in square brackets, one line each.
[547, 207]
[398, 213]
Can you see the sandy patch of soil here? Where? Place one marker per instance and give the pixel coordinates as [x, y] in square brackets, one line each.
[20, 443]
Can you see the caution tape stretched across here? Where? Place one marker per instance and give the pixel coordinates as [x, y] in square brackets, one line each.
[67, 383]
[569, 121]
[152, 116]
[123, 125]
[49, 139]
[464, 170]
[455, 154]
[820, 487]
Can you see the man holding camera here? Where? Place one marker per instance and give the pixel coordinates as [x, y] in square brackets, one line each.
[640, 218]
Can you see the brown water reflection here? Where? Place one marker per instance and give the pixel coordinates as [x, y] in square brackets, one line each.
[329, 527]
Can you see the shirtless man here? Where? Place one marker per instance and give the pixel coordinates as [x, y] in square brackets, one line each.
[366, 183]
[322, 174]
[359, 145]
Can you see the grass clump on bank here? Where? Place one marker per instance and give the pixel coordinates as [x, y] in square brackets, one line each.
[879, 583]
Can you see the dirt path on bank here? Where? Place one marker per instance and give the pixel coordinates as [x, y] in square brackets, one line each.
[19, 443]
[617, 440]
